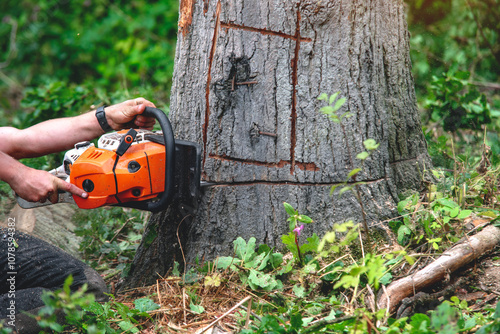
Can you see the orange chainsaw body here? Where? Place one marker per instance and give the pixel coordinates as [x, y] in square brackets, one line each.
[108, 178]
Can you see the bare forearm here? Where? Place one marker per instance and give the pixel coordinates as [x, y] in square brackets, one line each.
[61, 134]
[9, 168]
[54, 135]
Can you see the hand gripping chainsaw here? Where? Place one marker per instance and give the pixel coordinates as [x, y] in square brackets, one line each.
[136, 168]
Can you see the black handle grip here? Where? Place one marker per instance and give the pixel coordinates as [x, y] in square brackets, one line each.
[168, 135]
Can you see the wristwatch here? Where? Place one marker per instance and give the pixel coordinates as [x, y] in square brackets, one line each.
[101, 118]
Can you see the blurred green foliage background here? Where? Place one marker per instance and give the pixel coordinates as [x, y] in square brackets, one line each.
[59, 57]
[455, 53]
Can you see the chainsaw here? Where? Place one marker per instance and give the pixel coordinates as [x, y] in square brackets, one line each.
[139, 169]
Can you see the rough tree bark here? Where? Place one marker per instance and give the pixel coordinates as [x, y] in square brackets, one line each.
[246, 82]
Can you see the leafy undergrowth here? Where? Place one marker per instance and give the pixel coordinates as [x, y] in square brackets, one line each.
[325, 285]
[315, 285]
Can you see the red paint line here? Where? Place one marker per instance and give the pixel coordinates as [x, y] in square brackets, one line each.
[309, 166]
[293, 116]
[264, 31]
[209, 79]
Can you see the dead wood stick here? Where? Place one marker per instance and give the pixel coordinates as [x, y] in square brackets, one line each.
[458, 256]
[225, 314]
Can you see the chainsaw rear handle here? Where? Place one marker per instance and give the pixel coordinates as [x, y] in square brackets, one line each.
[168, 136]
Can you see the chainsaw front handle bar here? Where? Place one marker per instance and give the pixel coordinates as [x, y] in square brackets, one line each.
[168, 135]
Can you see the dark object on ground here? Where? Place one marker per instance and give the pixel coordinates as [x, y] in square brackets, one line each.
[33, 267]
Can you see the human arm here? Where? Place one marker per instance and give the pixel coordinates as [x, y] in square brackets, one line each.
[55, 136]
[61, 134]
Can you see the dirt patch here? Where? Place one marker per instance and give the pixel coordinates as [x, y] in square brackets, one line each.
[489, 279]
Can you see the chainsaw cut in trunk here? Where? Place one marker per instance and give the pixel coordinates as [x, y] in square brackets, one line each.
[246, 83]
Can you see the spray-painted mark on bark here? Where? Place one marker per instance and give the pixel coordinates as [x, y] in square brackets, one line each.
[186, 15]
[309, 166]
[262, 31]
[209, 78]
[293, 117]
[205, 6]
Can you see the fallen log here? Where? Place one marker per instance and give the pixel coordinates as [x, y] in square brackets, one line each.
[456, 257]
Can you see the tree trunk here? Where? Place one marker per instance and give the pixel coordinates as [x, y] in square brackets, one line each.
[247, 78]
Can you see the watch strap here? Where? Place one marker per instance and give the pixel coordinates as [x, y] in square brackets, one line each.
[100, 114]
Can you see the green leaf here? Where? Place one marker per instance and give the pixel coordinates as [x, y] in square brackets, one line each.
[332, 190]
[198, 309]
[363, 155]
[292, 223]
[333, 97]
[304, 219]
[67, 283]
[386, 279]
[403, 233]
[257, 261]
[299, 291]
[347, 114]
[258, 279]
[312, 244]
[323, 96]
[327, 110]
[371, 144]
[464, 214]
[490, 214]
[265, 259]
[454, 212]
[95, 308]
[344, 189]
[447, 202]
[244, 251]
[410, 260]
[276, 260]
[402, 205]
[289, 241]
[145, 305]
[340, 102]
[354, 172]
[462, 75]
[419, 319]
[127, 326]
[289, 209]
[175, 270]
[344, 227]
[225, 261]
[296, 321]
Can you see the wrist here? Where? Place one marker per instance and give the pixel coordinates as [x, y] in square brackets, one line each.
[100, 114]
[11, 170]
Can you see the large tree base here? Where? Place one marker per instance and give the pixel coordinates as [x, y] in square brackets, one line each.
[256, 210]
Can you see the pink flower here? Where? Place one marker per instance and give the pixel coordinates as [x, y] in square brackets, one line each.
[298, 230]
